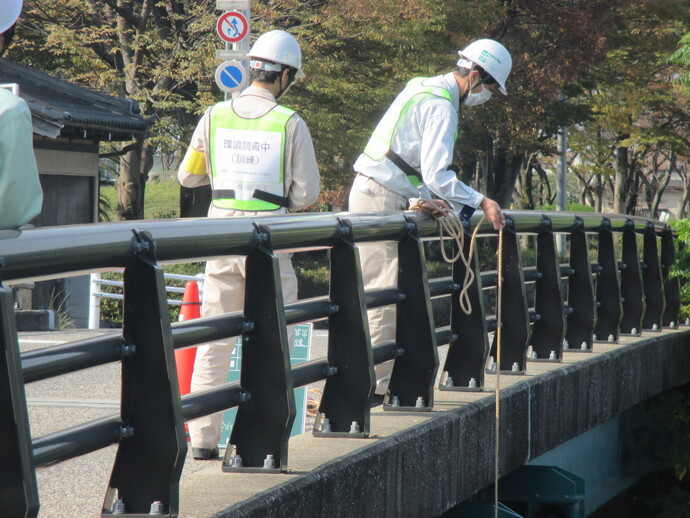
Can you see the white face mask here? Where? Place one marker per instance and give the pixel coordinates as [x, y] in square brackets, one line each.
[473, 99]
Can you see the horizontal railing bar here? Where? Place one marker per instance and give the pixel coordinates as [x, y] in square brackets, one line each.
[444, 336]
[533, 221]
[207, 329]
[308, 310]
[382, 297]
[205, 402]
[441, 286]
[320, 230]
[78, 440]
[384, 352]
[309, 372]
[61, 359]
[79, 249]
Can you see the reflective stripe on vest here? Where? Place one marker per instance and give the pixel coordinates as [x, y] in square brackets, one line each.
[248, 158]
[380, 142]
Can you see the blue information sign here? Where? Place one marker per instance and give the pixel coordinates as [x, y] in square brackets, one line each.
[300, 353]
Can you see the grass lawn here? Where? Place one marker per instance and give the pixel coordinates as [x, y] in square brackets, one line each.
[161, 199]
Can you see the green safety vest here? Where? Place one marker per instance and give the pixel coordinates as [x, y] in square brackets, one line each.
[248, 158]
[379, 145]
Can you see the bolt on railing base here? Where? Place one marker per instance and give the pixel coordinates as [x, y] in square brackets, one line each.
[322, 428]
[392, 404]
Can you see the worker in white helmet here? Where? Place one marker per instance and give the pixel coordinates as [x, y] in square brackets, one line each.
[8, 18]
[21, 196]
[409, 156]
[289, 180]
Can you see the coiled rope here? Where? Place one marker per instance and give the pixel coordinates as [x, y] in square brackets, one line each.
[451, 226]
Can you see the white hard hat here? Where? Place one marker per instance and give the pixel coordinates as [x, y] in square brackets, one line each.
[493, 57]
[9, 13]
[278, 47]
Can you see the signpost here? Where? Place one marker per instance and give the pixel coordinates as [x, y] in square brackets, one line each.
[300, 353]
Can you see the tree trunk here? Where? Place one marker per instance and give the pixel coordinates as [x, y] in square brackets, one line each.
[632, 197]
[598, 194]
[621, 182]
[527, 174]
[506, 170]
[131, 183]
[654, 208]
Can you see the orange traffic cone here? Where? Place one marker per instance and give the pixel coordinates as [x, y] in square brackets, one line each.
[184, 358]
[191, 308]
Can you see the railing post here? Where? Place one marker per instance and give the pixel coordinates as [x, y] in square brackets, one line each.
[548, 330]
[652, 282]
[516, 328]
[18, 489]
[469, 350]
[264, 419]
[414, 373]
[671, 285]
[632, 294]
[351, 380]
[581, 319]
[152, 448]
[608, 293]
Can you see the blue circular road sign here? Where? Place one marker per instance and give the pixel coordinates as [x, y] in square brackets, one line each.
[231, 76]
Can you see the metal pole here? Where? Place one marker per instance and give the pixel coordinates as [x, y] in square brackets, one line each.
[95, 304]
[243, 46]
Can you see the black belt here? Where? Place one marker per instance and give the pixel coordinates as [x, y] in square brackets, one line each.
[402, 165]
[465, 213]
[281, 201]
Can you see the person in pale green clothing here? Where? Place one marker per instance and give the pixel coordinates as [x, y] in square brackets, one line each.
[21, 196]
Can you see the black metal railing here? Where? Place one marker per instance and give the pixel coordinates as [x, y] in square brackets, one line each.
[575, 305]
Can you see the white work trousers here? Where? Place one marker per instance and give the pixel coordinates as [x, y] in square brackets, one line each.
[379, 264]
[224, 293]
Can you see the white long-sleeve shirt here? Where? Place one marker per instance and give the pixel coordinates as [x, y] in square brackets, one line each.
[425, 138]
[302, 179]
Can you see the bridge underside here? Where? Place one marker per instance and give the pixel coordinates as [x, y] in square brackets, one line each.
[421, 464]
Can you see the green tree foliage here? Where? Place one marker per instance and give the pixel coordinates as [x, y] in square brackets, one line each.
[156, 52]
[681, 58]
[604, 55]
[637, 123]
